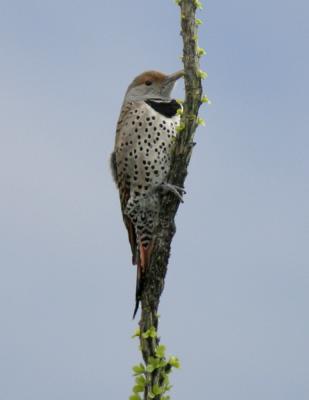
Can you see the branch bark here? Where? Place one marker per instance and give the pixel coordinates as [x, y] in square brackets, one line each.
[156, 271]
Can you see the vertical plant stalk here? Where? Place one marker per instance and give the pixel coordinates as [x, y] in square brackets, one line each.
[156, 271]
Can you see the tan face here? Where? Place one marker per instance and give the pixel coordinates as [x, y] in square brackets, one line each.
[149, 77]
[152, 84]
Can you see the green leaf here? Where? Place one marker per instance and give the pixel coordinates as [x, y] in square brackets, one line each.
[174, 362]
[137, 333]
[150, 368]
[135, 397]
[200, 51]
[157, 389]
[151, 332]
[160, 351]
[162, 363]
[138, 369]
[152, 360]
[202, 74]
[198, 21]
[198, 4]
[205, 99]
[180, 127]
[140, 380]
[153, 363]
[166, 380]
[200, 121]
[138, 389]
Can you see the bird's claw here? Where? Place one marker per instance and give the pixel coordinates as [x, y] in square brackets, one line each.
[178, 191]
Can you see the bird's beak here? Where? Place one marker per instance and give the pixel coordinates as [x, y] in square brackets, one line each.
[173, 77]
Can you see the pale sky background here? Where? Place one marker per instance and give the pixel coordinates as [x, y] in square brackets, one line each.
[235, 305]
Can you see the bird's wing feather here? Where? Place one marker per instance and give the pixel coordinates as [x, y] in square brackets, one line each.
[113, 166]
[124, 197]
[123, 185]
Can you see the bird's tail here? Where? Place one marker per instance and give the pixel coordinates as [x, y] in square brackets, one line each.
[142, 263]
[138, 291]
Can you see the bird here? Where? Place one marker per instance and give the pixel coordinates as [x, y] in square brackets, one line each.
[141, 160]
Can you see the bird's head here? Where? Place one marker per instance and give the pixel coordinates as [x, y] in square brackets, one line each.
[152, 85]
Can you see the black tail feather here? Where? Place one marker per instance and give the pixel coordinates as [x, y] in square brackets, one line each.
[136, 307]
[138, 291]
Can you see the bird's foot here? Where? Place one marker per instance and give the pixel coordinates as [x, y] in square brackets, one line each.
[178, 191]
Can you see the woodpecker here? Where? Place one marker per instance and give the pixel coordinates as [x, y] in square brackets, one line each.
[140, 162]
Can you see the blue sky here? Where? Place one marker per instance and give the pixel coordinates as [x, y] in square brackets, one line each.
[235, 305]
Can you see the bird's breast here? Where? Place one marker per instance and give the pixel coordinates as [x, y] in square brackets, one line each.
[145, 140]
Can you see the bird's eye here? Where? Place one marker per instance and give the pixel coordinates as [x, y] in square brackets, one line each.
[148, 83]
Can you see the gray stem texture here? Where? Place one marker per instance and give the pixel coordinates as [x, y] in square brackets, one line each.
[156, 270]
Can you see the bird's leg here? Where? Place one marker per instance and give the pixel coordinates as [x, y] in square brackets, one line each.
[178, 191]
